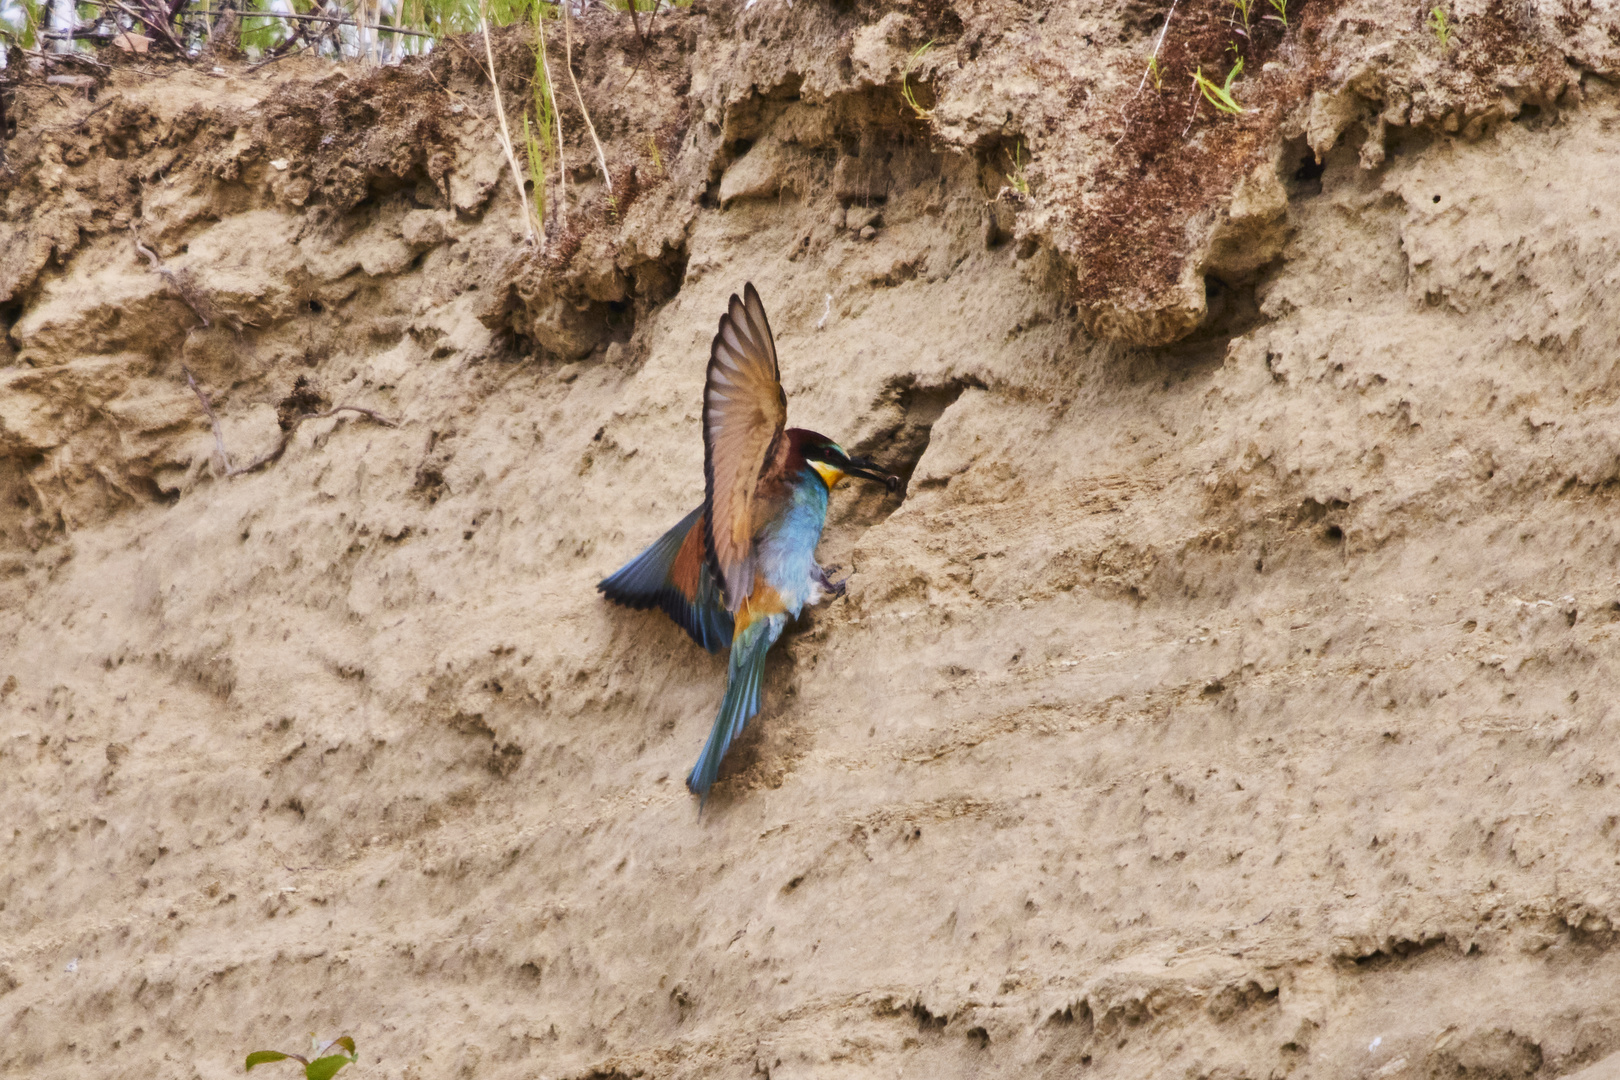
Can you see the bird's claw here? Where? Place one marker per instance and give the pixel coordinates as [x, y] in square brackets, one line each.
[836, 588]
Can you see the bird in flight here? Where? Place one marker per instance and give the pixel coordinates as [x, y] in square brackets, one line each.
[739, 566]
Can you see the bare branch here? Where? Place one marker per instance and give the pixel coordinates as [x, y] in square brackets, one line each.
[336, 22]
[334, 410]
[278, 56]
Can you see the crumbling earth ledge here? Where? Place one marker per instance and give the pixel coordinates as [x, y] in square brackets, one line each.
[1235, 706]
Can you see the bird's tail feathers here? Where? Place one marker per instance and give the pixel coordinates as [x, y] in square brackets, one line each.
[744, 685]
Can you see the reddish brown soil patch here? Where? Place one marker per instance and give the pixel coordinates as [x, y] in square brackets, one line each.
[1174, 154]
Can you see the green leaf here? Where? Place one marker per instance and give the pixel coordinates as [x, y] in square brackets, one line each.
[325, 1068]
[1220, 96]
[347, 1044]
[262, 1057]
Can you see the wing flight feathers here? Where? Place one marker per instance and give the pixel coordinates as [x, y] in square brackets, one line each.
[674, 575]
[744, 413]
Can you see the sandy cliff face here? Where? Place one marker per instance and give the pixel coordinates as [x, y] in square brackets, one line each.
[1233, 706]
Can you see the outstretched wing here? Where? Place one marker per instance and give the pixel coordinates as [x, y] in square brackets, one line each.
[674, 576]
[744, 412]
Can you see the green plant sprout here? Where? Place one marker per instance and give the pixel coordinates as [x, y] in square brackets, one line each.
[320, 1065]
[1220, 96]
[1440, 23]
[657, 158]
[1281, 8]
[905, 86]
[1016, 178]
[536, 150]
[545, 107]
[1154, 74]
[1244, 8]
[537, 140]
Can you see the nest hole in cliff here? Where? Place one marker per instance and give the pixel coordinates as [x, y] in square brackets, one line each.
[900, 445]
[1301, 173]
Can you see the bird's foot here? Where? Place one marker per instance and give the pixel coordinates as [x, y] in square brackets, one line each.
[836, 588]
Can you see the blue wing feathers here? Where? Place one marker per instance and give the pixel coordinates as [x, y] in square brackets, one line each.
[646, 582]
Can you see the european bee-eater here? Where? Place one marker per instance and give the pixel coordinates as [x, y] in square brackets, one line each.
[739, 566]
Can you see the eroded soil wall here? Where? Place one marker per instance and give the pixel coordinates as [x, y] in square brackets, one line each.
[1229, 693]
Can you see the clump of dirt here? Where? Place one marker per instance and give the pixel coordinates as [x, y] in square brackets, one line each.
[1173, 149]
[302, 399]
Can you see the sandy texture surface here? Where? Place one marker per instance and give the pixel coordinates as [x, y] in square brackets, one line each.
[1233, 707]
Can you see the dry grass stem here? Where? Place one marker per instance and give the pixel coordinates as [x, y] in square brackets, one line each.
[568, 59]
[562, 166]
[1157, 45]
[506, 133]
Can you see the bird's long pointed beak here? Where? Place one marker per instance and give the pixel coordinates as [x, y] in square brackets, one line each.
[867, 469]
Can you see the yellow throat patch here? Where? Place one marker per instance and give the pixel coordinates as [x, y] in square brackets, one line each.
[829, 475]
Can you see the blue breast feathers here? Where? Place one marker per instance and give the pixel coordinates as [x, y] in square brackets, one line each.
[787, 544]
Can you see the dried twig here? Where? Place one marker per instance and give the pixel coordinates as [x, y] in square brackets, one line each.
[65, 58]
[156, 266]
[1157, 45]
[275, 452]
[1192, 115]
[568, 57]
[278, 56]
[506, 134]
[646, 40]
[80, 122]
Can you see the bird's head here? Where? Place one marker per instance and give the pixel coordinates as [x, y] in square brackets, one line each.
[832, 463]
